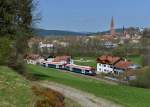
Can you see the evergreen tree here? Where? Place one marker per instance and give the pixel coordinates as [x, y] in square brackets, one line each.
[16, 17]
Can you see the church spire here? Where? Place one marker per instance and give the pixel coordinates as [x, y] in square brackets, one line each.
[112, 27]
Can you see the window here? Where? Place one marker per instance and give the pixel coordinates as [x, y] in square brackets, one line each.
[111, 66]
[104, 65]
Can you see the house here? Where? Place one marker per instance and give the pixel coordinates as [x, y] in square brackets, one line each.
[109, 44]
[115, 65]
[106, 63]
[63, 59]
[45, 45]
[126, 70]
[58, 62]
[33, 59]
[122, 66]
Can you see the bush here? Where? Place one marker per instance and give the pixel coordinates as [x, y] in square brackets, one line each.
[9, 56]
[48, 97]
[119, 51]
[142, 79]
[17, 63]
[5, 51]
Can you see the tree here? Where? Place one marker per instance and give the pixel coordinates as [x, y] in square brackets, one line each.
[7, 17]
[16, 18]
[142, 79]
[5, 50]
[146, 47]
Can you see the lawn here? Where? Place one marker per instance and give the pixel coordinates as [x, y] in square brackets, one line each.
[15, 91]
[85, 61]
[127, 96]
[135, 59]
[91, 61]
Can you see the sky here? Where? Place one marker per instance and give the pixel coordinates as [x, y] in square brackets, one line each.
[93, 15]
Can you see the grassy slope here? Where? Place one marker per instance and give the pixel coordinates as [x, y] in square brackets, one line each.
[14, 90]
[127, 96]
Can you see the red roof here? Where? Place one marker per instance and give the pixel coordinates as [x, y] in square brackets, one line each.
[123, 64]
[107, 59]
[61, 58]
[32, 56]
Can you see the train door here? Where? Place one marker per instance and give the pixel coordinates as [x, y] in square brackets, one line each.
[83, 71]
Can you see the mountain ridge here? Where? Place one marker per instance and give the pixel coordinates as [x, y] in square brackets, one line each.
[45, 33]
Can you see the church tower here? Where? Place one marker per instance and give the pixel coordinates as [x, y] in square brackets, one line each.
[112, 27]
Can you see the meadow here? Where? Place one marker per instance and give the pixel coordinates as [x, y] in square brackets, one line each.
[91, 61]
[135, 59]
[85, 61]
[125, 95]
[15, 91]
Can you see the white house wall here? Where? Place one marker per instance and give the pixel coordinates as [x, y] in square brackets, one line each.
[104, 68]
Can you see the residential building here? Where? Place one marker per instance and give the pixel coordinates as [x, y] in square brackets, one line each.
[45, 45]
[63, 59]
[114, 65]
[110, 44]
[33, 59]
[106, 63]
[122, 66]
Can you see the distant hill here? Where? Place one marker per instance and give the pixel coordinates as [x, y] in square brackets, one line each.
[42, 32]
[119, 30]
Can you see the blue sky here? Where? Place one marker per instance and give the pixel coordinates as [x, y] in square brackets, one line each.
[93, 15]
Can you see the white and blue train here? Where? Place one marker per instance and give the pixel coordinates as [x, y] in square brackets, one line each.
[86, 70]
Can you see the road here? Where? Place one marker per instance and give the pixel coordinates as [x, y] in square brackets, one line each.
[82, 98]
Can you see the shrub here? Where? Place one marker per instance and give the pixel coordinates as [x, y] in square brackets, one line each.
[17, 63]
[5, 50]
[9, 56]
[48, 97]
[142, 79]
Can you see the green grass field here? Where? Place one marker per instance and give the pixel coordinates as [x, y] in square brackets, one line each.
[136, 59]
[85, 61]
[127, 96]
[14, 90]
[91, 61]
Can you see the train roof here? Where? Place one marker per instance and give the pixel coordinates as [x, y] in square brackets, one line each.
[55, 63]
[80, 67]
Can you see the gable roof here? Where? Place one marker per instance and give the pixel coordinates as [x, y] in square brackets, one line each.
[32, 56]
[61, 58]
[108, 59]
[123, 64]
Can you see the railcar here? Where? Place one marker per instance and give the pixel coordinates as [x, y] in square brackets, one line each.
[56, 65]
[86, 70]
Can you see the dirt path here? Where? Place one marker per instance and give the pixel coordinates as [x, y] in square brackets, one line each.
[83, 98]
